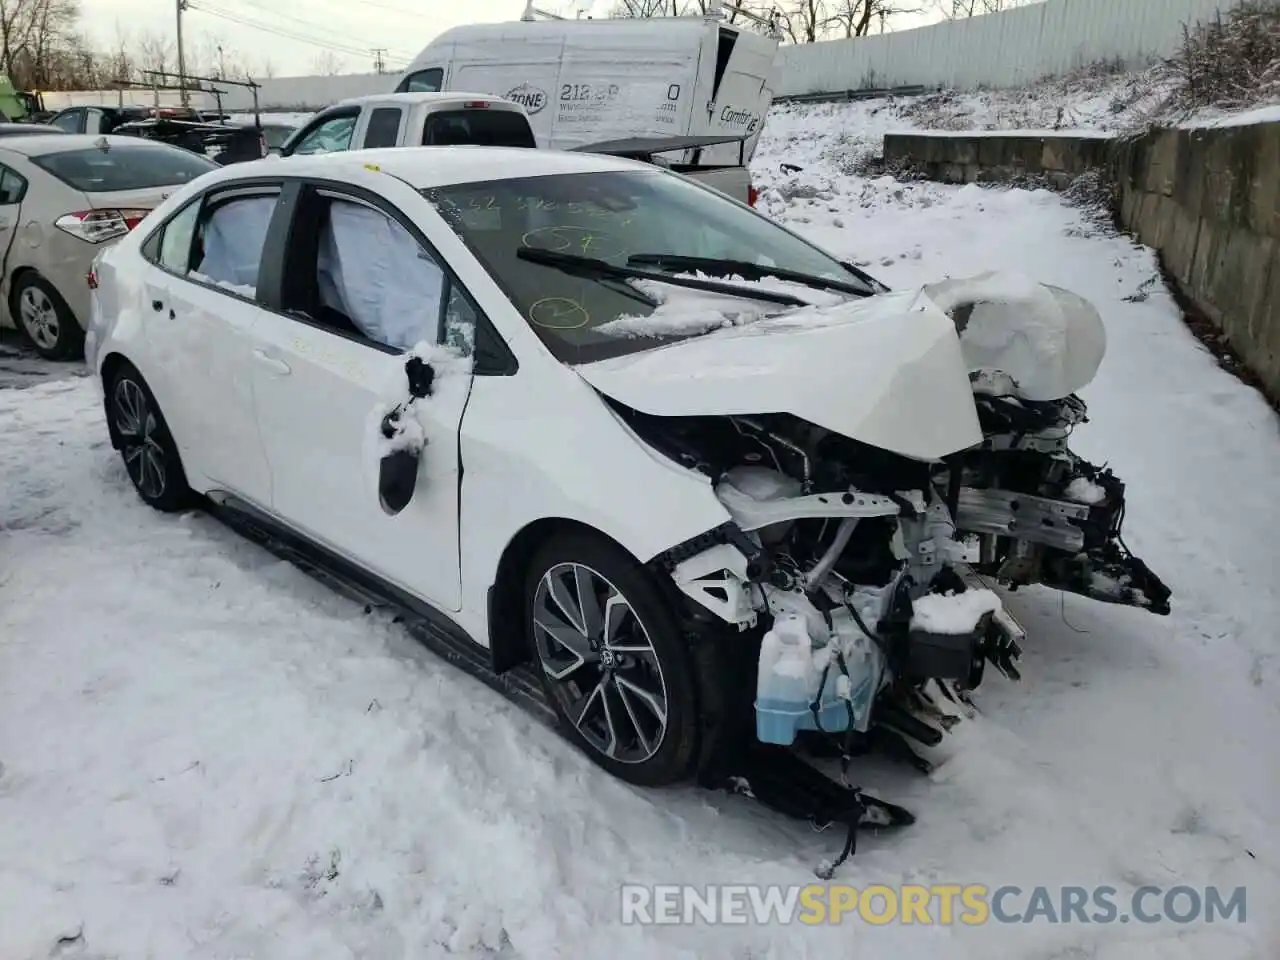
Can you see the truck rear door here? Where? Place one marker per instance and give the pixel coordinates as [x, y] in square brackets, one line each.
[740, 91]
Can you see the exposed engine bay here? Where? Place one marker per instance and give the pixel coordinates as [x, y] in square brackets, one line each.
[868, 575]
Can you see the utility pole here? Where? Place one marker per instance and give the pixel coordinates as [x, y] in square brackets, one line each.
[379, 65]
[182, 61]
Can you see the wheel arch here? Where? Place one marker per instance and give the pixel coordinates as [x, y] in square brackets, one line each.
[507, 642]
[113, 362]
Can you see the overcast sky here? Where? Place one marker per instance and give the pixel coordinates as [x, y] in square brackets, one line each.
[294, 34]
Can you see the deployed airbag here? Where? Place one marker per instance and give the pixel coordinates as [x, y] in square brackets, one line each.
[371, 269]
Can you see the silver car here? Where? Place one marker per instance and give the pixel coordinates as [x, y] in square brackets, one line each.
[63, 198]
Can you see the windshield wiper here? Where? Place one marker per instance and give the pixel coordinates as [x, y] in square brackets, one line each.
[591, 267]
[750, 271]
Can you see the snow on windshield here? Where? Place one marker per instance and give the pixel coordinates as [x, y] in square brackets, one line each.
[683, 311]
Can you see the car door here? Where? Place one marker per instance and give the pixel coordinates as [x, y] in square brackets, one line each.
[359, 285]
[13, 188]
[201, 309]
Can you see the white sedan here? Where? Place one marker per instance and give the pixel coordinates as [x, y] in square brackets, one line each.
[581, 413]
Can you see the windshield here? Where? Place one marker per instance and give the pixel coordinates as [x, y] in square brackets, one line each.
[124, 167]
[611, 216]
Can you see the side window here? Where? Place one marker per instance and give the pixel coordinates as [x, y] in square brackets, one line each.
[95, 121]
[373, 275]
[459, 322]
[12, 187]
[174, 251]
[69, 121]
[330, 136]
[229, 237]
[424, 81]
[384, 127]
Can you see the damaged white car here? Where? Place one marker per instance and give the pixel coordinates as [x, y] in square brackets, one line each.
[619, 445]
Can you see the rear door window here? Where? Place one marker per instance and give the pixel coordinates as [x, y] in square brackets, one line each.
[489, 128]
[230, 237]
[12, 187]
[124, 167]
[384, 127]
[424, 81]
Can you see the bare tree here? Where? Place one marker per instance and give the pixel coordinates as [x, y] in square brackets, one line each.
[962, 9]
[327, 63]
[803, 21]
[853, 18]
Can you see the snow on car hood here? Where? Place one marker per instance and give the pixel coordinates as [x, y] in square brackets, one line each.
[886, 370]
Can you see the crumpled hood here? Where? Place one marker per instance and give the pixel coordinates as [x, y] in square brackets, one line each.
[887, 371]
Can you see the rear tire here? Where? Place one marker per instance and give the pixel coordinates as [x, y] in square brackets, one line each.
[611, 659]
[44, 319]
[145, 443]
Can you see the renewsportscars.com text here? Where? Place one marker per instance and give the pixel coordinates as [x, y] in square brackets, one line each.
[934, 904]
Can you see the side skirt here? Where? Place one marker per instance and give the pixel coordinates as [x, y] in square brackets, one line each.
[429, 626]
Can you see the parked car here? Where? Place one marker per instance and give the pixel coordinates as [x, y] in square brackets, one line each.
[26, 129]
[62, 197]
[97, 119]
[718, 488]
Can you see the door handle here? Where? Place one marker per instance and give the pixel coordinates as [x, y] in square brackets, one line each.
[275, 363]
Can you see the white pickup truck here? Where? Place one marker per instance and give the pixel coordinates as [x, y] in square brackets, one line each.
[453, 119]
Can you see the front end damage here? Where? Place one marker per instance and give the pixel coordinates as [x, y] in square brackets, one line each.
[865, 577]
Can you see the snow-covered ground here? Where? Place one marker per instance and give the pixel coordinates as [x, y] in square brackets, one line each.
[205, 754]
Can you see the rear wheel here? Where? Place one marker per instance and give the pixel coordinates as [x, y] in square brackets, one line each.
[612, 660]
[149, 452]
[44, 318]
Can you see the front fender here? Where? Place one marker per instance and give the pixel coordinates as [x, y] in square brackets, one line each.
[534, 450]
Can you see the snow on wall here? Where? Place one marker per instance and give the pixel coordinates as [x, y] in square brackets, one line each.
[1007, 49]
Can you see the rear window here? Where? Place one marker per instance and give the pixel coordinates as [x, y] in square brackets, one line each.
[486, 128]
[124, 167]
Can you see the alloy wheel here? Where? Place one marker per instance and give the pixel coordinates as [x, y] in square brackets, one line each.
[39, 317]
[600, 661]
[144, 457]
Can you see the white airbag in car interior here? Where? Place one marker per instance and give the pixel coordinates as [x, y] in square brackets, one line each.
[372, 269]
[234, 237]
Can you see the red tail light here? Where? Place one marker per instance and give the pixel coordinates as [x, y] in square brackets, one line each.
[97, 226]
[92, 278]
[476, 105]
[752, 195]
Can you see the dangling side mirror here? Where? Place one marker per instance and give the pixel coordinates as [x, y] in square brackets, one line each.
[398, 470]
[397, 479]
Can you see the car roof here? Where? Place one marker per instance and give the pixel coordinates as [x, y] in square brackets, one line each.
[35, 146]
[423, 167]
[443, 99]
[30, 129]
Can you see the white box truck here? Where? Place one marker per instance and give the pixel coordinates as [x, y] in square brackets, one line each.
[589, 81]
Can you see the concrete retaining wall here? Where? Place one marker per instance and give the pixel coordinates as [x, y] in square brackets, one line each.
[991, 158]
[1208, 200]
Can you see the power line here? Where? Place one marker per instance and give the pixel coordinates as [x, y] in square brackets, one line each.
[309, 40]
[345, 38]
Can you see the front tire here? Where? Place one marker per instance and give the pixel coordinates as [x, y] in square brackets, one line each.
[45, 320]
[611, 658]
[143, 438]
